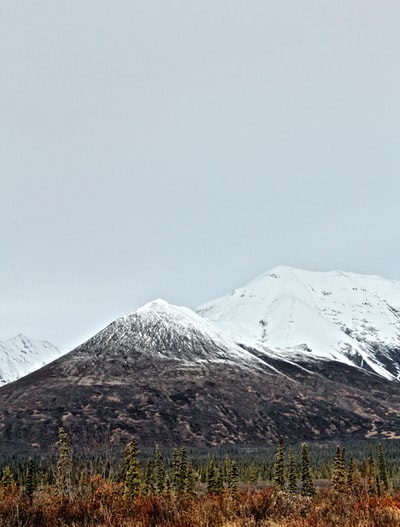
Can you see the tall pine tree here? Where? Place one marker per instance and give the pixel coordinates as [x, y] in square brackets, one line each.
[160, 472]
[307, 488]
[30, 479]
[149, 476]
[292, 472]
[382, 469]
[132, 470]
[279, 466]
[339, 477]
[64, 464]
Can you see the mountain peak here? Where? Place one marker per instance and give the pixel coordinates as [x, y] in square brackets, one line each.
[158, 304]
[353, 318]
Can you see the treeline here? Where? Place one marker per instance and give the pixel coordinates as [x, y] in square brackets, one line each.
[186, 488]
[299, 469]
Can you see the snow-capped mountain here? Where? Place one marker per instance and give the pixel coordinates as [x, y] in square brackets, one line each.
[22, 355]
[347, 317]
[294, 353]
[156, 334]
[172, 377]
[159, 329]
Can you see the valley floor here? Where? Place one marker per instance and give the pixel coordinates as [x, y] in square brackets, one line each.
[282, 489]
[104, 506]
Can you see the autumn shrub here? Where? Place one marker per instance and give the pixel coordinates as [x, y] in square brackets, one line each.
[255, 504]
[103, 505]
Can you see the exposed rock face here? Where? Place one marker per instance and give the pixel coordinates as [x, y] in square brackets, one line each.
[170, 377]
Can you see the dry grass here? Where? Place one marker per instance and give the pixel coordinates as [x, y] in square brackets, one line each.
[101, 504]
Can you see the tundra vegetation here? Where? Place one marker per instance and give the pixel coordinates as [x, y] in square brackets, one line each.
[297, 486]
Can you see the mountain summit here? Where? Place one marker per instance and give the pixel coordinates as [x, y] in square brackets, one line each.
[347, 317]
[294, 353]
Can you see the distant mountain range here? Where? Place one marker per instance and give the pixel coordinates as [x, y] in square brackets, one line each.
[22, 355]
[295, 353]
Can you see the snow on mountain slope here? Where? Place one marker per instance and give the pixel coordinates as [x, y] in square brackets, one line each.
[22, 355]
[344, 316]
[161, 331]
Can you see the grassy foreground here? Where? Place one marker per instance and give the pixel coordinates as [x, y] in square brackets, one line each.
[172, 490]
[102, 504]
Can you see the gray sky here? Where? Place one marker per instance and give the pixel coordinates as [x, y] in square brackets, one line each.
[177, 149]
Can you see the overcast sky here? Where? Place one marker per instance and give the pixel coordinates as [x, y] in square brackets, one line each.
[179, 148]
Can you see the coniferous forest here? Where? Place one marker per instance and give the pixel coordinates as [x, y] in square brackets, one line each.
[356, 485]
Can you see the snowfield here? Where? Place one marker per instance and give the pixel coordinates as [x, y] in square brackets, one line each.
[330, 315]
[22, 355]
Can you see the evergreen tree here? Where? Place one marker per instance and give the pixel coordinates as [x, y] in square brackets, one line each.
[378, 485]
[279, 467]
[233, 479]
[307, 488]
[339, 479]
[149, 476]
[30, 479]
[183, 471]
[190, 481]
[212, 479]
[160, 472]
[220, 480]
[132, 470]
[168, 485]
[371, 475]
[64, 465]
[227, 467]
[382, 469]
[175, 471]
[353, 477]
[252, 473]
[292, 472]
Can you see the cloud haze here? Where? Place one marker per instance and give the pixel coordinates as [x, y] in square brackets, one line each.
[178, 149]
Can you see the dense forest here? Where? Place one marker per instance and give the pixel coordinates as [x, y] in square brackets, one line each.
[288, 485]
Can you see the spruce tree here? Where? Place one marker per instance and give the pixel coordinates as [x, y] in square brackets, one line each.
[149, 476]
[212, 478]
[353, 477]
[175, 471]
[382, 469]
[168, 485]
[292, 472]
[190, 480]
[30, 479]
[220, 480]
[132, 470]
[307, 488]
[160, 472]
[233, 479]
[339, 479]
[64, 465]
[279, 466]
[183, 471]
